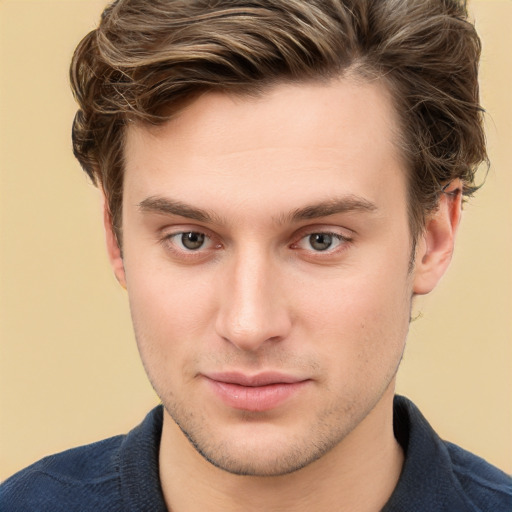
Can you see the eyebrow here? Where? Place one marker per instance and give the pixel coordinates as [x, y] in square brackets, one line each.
[167, 206]
[345, 204]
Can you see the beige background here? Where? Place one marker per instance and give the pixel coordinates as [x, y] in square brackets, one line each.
[70, 372]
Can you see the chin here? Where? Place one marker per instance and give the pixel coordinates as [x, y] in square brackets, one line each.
[253, 447]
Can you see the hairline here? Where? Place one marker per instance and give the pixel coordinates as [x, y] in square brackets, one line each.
[356, 72]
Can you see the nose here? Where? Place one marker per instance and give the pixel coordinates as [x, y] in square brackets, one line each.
[253, 308]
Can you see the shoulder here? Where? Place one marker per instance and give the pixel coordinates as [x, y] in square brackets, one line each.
[484, 485]
[83, 478]
[117, 474]
[440, 476]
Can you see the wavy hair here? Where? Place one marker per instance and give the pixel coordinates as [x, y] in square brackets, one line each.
[148, 58]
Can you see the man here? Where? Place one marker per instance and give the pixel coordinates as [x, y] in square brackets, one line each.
[281, 178]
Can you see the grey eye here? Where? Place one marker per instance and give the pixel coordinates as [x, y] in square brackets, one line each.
[320, 241]
[192, 241]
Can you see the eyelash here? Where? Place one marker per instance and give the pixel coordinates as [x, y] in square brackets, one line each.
[341, 239]
[202, 253]
[169, 243]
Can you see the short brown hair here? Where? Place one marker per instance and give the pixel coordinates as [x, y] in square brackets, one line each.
[149, 57]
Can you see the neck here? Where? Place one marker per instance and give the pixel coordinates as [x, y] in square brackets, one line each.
[359, 474]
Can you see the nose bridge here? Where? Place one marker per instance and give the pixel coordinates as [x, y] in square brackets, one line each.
[252, 308]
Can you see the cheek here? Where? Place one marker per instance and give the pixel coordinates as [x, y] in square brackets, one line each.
[361, 321]
[357, 300]
[167, 297]
[171, 314]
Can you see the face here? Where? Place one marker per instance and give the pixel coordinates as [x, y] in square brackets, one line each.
[266, 256]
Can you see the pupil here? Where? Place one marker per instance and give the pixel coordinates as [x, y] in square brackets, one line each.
[192, 240]
[320, 241]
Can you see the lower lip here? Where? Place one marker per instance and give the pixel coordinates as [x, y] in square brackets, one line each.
[257, 398]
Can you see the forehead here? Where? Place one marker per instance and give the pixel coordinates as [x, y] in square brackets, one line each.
[283, 147]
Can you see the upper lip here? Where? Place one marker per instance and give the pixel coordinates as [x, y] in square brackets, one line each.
[259, 379]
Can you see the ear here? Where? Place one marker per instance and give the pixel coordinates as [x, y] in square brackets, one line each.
[113, 249]
[435, 247]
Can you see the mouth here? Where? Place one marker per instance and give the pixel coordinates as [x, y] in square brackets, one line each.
[254, 393]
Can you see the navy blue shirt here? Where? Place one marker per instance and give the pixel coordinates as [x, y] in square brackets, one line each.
[121, 474]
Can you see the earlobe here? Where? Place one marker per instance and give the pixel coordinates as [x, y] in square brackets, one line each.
[434, 249]
[113, 249]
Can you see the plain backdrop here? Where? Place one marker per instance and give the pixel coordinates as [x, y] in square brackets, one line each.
[70, 372]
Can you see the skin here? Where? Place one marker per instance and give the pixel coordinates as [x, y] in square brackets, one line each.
[270, 182]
